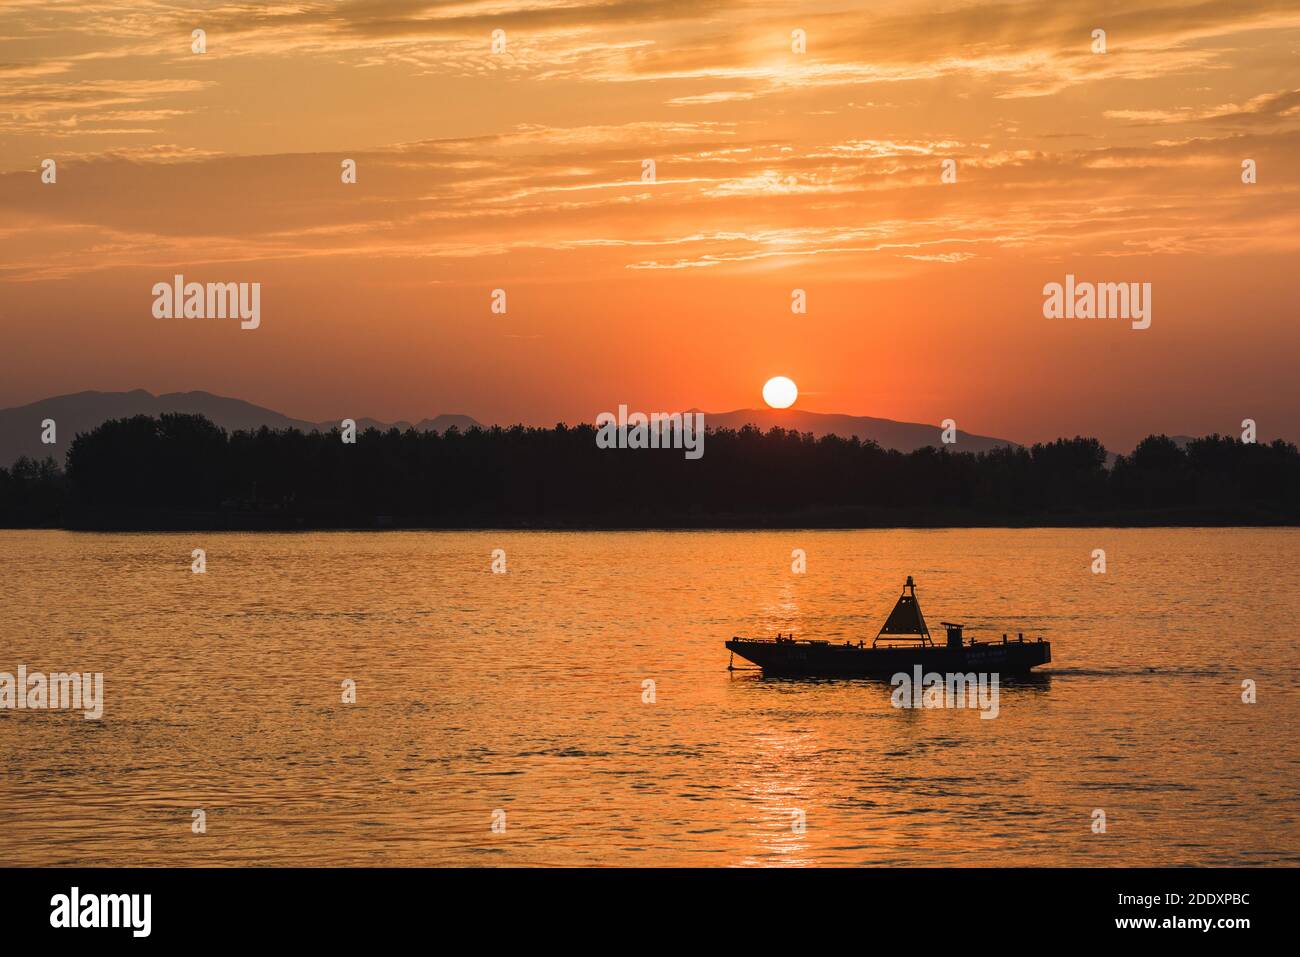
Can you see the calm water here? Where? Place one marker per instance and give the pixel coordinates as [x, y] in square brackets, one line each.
[523, 692]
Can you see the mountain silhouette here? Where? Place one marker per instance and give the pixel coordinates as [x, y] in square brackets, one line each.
[20, 426]
[888, 434]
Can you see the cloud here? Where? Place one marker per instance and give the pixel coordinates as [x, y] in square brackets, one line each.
[724, 198]
[532, 160]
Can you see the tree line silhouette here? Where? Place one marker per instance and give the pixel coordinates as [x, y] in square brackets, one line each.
[183, 471]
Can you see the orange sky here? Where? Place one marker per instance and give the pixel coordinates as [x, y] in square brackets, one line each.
[775, 171]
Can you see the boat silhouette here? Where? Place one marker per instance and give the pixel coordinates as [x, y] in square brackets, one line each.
[907, 645]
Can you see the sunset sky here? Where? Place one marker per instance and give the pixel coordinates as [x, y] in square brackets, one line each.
[775, 170]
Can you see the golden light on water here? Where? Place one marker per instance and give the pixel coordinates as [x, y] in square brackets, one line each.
[726, 768]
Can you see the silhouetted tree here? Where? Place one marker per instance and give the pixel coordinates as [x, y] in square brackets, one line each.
[31, 493]
[176, 461]
[182, 465]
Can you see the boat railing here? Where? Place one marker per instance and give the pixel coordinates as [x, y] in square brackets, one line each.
[790, 639]
[781, 639]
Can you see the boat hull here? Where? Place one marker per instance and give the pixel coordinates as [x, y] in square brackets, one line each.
[823, 659]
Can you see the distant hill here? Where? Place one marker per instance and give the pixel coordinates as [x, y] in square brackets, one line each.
[888, 434]
[20, 427]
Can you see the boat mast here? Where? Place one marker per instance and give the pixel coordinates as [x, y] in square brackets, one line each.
[906, 622]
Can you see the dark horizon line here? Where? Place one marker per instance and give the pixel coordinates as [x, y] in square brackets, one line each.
[401, 423]
[181, 470]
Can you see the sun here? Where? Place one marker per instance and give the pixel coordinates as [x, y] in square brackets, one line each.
[780, 392]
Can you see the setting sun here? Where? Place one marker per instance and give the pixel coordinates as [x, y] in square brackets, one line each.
[780, 392]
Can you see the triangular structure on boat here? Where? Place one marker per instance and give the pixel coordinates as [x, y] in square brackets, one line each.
[906, 620]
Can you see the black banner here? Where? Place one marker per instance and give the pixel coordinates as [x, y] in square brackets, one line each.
[144, 906]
